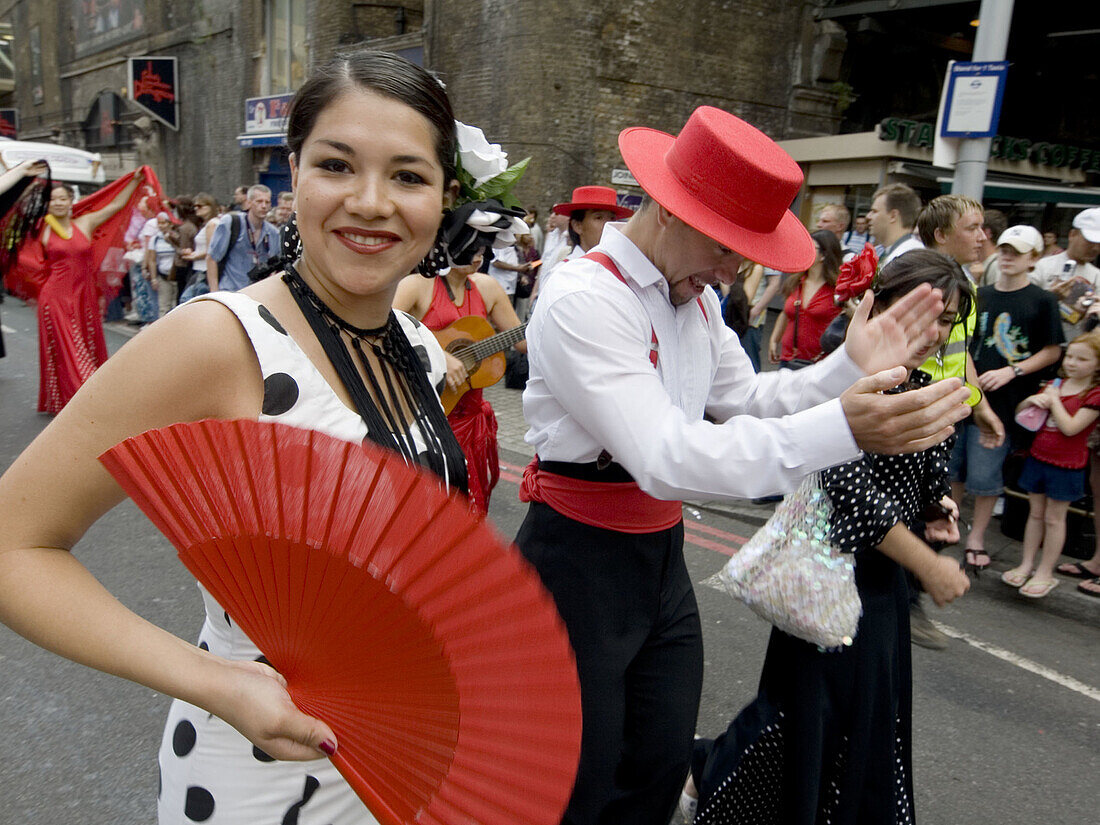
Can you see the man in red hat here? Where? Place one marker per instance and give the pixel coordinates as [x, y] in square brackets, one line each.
[630, 365]
[588, 211]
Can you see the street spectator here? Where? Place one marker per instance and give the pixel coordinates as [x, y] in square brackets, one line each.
[952, 225]
[255, 241]
[526, 253]
[555, 245]
[284, 205]
[144, 307]
[185, 241]
[206, 212]
[829, 736]
[1089, 569]
[505, 268]
[160, 258]
[984, 271]
[892, 218]
[809, 307]
[1054, 473]
[1071, 275]
[835, 218]
[857, 237]
[240, 199]
[1050, 243]
[532, 220]
[767, 283]
[1017, 338]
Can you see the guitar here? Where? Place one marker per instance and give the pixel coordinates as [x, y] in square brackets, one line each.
[474, 342]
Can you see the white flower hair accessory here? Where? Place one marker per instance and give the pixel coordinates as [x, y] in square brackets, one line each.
[486, 213]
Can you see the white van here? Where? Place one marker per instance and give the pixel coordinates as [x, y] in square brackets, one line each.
[83, 170]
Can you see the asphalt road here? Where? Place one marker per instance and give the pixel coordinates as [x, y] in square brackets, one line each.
[1006, 727]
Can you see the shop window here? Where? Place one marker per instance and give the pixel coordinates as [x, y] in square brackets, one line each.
[287, 51]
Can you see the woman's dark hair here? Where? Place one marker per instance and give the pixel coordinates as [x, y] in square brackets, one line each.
[578, 216]
[923, 266]
[831, 257]
[386, 74]
[65, 186]
[185, 209]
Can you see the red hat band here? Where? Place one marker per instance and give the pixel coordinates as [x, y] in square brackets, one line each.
[719, 174]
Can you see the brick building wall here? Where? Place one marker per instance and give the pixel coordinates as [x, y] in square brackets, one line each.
[558, 79]
[555, 80]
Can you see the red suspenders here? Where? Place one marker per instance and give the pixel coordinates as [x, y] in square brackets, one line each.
[607, 263]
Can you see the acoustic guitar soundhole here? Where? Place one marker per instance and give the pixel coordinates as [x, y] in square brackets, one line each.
[466, 359]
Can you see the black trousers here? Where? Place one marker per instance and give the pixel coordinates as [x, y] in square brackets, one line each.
[629, 606]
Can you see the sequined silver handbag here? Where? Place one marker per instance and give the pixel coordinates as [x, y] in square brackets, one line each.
[791, 575]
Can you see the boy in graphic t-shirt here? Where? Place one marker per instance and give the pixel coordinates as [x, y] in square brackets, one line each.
[1016, 340]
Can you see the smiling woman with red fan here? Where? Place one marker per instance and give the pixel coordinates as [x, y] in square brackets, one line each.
[404, 640]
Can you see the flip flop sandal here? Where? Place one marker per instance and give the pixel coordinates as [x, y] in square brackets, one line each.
[1044, 586]
[1075, 570]
[1015, 577]
[1088, 591]
[973, 560]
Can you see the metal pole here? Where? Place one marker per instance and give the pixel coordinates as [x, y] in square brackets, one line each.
[990, 43]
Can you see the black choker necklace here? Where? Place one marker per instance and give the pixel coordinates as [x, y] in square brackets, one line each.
[298, 284]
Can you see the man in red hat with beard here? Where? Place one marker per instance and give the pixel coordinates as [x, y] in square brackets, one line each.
[639, 396]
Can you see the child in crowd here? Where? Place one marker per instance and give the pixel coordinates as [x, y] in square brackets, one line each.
[1054, 474]
[828, 736]
[1018, 337]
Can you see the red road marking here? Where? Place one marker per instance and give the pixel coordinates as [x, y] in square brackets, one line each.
[728, 544]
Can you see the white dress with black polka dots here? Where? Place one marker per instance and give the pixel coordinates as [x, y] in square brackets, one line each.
[828, 740]
[209, 772]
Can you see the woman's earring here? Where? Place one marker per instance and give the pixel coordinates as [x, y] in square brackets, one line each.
[436, 259]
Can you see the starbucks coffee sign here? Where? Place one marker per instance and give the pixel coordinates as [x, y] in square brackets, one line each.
[1056, 155]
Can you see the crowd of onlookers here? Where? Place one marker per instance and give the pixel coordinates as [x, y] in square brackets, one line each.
[200, 245]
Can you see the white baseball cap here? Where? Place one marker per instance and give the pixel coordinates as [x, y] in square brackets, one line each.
[1088, 222]
[1022, 238]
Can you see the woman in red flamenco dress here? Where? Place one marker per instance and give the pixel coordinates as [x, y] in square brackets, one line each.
[439, 302]
[71, 345]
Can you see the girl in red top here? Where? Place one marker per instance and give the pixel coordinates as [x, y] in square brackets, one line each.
[438, 302]
[809, 307]
[1054, 474]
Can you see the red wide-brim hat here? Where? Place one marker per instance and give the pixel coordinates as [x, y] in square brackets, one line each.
[593, 197]
[728, 180]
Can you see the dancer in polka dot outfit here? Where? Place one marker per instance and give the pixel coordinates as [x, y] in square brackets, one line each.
[828, 738]
[372, 139]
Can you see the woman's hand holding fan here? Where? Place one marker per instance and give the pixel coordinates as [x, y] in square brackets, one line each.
[429, 647]
[253, 698]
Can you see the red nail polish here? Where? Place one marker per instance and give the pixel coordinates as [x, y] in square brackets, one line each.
[328, 747]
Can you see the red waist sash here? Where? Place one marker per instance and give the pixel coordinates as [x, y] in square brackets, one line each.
[619, 506]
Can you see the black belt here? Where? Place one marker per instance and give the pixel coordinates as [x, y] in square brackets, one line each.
[588, 471]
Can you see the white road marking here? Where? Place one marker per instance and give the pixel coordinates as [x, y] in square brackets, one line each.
[7, 329]
[999, 652]
[1022, 663]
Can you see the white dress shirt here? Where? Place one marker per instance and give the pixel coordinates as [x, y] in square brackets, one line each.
[592, 387]
[505, 277]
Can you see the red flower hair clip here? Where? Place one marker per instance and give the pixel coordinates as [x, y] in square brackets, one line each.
[856, 275]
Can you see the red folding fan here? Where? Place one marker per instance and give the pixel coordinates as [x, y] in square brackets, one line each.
[429, 647]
